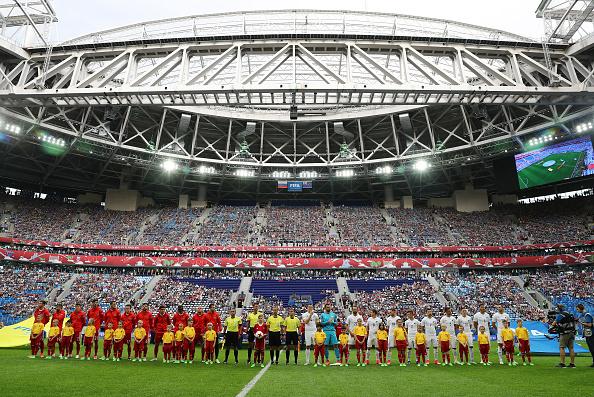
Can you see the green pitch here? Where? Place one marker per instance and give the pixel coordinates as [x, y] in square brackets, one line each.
[22, 376]
[553, 168]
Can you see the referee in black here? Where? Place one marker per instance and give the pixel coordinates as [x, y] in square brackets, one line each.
[291, 327]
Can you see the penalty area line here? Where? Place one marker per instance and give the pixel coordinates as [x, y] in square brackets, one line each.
[250, 385]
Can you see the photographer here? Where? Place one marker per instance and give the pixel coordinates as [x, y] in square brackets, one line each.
[587, 322]
[564, 325]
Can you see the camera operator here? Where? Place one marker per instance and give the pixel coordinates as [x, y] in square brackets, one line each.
[587, 322]
[564, 325]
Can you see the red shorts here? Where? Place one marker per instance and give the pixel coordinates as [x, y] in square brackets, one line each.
[66, 340]
[209, 346]
[76, 335]
[401, 345]
[360, 344]
[118, 344]
[260, 344]
[88, 340]
[179, 344]
[127, 337]
[198, 340]
[51, 342]
[158, 337]
[343, 349]
[382, 345]
[463, 348]
[421, 349]
[139, 345]
[167, 347]
[508, 345]
[445, 346]
[484, 348]
[524, 346]
[107, 343]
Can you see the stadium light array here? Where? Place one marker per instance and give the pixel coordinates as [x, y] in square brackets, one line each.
[206, 170]
[283, 174]
[308, 174]
[345, 173]
[10, 127]
[584, 127]
[421, 165]
[169, 165]
[245, 173]
[385, 170]
[542, 139]
[51, 140]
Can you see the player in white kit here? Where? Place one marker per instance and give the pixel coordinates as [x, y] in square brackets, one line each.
[373, 324]
[498, 319]
[465, 324]
[351, 322]
[310, 320]
[450, 323]
[392, 322]
[429, 324]
[411, 324]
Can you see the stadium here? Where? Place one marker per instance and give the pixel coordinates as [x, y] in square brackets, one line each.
[323, 202]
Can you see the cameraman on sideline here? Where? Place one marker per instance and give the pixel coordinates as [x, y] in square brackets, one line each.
[565, 323]
[585, 319]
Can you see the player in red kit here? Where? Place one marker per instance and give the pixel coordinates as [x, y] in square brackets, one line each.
[146, 317]
[79, 319]
[59, 315]
[160, 323]
[213, 317]
[128, 319]
[180, 317]
[112, 315]
[42, 312]
[97, 315]
[200, 327]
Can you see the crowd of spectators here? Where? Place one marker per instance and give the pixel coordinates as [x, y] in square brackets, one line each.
[297, 226]
[43, 220]
[171, 227]
[227, 225]
[472, 288]
[173, 291]
[101, 226]
[105, 287]
[417, 296]
[361, 226]
[418, 227]
[542, 222]
[556, 283]
[23, 286]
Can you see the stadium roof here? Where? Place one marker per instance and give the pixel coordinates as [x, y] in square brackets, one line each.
[281, 22]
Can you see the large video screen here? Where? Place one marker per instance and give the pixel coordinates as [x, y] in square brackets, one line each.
[554, 163]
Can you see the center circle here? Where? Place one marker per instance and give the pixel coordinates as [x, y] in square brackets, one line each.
[549, 163]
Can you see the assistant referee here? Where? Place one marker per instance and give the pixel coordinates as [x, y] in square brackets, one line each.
[291, 326]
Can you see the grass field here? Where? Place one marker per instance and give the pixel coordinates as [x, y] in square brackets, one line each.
[564, 167]
[22, 376]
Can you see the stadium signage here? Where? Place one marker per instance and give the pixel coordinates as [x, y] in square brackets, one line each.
[245, 248]
[294, 263]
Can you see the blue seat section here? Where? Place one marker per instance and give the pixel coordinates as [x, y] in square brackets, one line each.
[232, 283]
[570, 302]
[284, 289]
[376, 285]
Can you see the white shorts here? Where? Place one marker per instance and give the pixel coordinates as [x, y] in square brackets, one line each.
[411, 341]
[453, 341]
[431, 341]
[391, 343]
[499, 337]
[309, 338]
[351, 340]
[372, 341]
[470, 338]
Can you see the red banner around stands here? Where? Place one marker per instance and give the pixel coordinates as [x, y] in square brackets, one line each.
[296, 263]
[242, 248]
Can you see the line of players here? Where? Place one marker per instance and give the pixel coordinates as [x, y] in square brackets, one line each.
[181, 334]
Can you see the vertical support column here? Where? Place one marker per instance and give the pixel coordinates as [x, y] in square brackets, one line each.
[388, 193]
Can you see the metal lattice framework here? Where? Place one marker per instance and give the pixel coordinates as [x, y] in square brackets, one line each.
[186, 89]
[567, 20]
